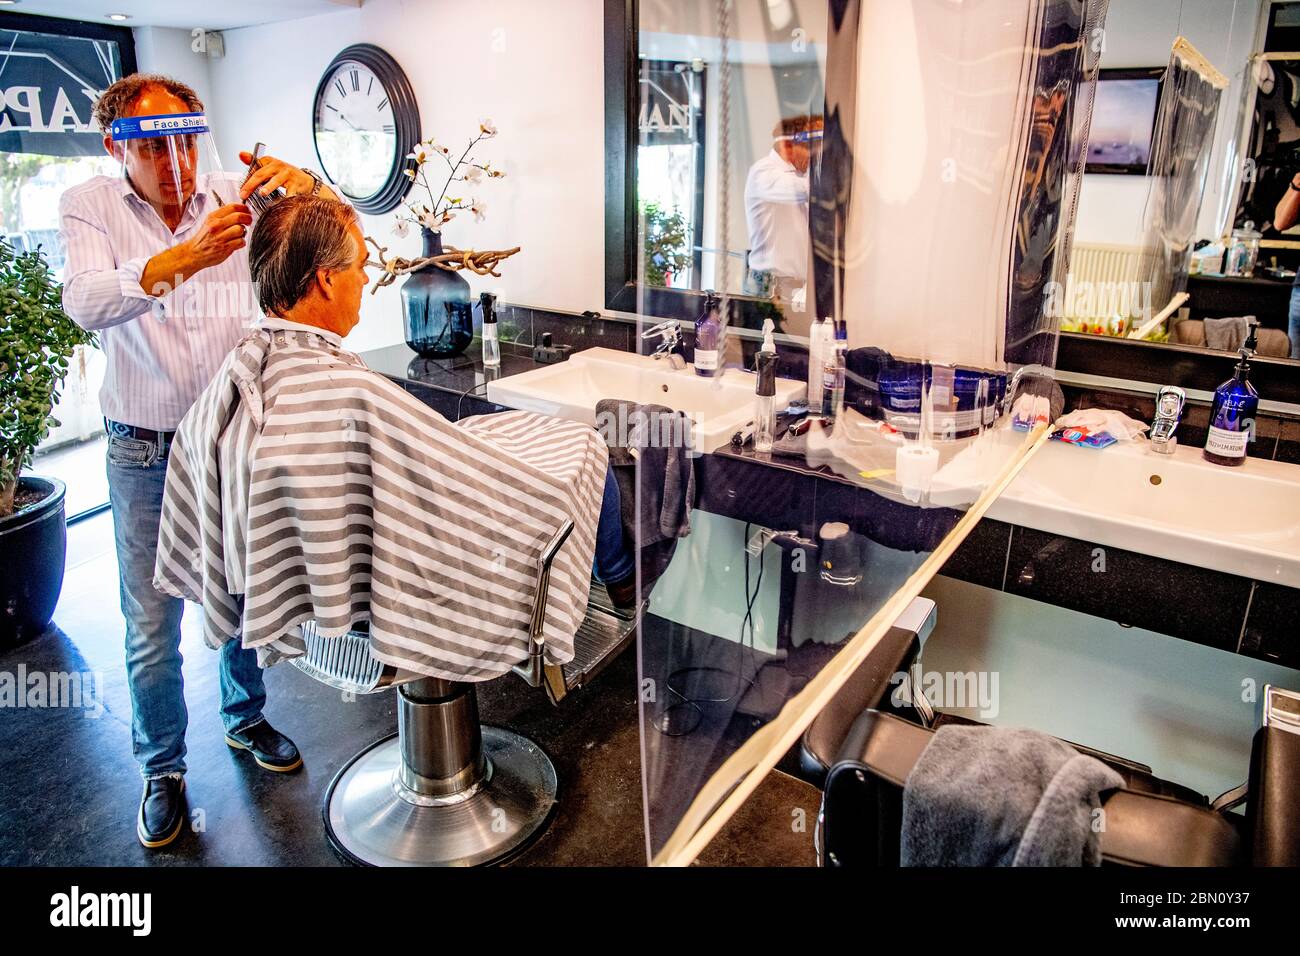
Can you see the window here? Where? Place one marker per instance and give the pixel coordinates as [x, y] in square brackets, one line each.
[670, 171]
[51, 72]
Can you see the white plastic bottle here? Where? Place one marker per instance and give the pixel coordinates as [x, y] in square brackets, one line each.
[819, 338]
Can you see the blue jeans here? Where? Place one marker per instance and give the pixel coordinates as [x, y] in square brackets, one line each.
[1293, 322]
[153, 621]
[613, 561]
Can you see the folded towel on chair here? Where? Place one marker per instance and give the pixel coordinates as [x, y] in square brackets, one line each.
[997, 796]
[304, 487]
[1227, 334]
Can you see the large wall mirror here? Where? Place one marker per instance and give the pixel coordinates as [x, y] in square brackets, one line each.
[1168, 210]
[1199, 186]
[672, 216]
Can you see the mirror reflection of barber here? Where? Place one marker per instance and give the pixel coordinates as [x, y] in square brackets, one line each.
[776, 211]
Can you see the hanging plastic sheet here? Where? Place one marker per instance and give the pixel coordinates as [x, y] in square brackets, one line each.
[1181, 150]
[1261, 158]
[938, 209]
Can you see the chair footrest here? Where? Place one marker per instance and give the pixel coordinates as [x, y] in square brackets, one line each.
[343, 662]
[604, 632]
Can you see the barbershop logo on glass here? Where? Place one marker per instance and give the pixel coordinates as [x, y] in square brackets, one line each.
[666, 114]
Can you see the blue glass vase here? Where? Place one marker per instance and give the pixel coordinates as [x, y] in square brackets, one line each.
[437, 313]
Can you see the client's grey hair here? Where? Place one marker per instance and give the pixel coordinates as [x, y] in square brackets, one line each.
[292, 240]
[121, 96]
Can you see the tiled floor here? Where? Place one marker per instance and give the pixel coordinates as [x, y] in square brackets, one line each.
[71, 787]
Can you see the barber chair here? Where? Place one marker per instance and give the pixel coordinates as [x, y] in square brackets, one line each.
[864, 744]
[446, 790]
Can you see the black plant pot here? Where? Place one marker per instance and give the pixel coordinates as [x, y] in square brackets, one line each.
[33, 546]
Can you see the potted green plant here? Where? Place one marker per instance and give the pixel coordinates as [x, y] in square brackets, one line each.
[37, 339]
[667, 246]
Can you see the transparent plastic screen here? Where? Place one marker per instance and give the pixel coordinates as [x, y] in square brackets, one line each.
[878, 196]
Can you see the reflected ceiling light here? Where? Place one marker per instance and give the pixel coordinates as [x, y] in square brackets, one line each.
[119, 16]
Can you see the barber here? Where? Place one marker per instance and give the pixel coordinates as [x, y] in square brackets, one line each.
[776, 210]
[157, 265]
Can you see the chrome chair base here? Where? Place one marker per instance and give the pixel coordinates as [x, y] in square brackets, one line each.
[373, 819]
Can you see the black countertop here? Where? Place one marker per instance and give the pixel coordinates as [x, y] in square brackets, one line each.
[458, 375]
[463, 376]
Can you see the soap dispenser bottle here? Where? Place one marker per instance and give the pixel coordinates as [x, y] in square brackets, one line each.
[708, 338]
[1232, 416]
[491, 344]
[765, 391]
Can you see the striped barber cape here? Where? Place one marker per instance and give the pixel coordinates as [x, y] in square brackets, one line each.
[304, 487]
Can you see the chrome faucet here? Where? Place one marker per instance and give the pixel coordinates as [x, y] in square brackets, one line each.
[1169, 409]
[669, 335]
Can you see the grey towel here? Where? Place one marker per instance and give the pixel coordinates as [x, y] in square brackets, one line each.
[1227, 334]
[995, 796]
[656, 439]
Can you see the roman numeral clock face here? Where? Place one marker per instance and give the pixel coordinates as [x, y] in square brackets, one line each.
[356, 130]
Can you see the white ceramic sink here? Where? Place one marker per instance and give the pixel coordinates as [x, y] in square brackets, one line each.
[719, 407]
[1243, 521]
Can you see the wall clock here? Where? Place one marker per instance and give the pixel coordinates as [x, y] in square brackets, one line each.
[365, 122]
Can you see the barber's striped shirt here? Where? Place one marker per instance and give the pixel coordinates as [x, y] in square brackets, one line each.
[161, 351]
[303, 486]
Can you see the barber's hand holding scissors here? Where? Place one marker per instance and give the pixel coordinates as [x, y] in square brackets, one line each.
[272, 173]
[224, 231]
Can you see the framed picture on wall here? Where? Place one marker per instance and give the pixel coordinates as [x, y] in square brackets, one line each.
[1123, 120]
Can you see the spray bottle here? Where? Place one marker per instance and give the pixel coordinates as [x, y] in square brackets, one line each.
[765, 390]
[491, 345]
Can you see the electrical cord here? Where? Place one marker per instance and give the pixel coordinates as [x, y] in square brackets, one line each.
[463, 395]
[665, 723]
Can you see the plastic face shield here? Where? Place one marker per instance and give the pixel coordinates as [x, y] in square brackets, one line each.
[812, 138]
[167, 158]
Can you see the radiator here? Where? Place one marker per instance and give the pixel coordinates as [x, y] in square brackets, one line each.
[1104, 280]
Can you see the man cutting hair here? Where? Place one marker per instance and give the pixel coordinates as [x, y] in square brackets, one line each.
[156, 263]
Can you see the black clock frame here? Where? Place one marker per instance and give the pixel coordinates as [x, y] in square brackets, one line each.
[406, 120]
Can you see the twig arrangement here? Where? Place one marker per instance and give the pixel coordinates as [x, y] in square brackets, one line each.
[481, 262]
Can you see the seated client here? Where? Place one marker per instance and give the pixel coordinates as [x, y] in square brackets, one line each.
[304, 487]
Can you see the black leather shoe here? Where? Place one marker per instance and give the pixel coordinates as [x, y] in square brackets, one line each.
[162, 811]
[271, 749]
[622, 594]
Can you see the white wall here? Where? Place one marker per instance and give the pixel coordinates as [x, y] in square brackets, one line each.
[1140, 33]
[167, 50]
[536, 69]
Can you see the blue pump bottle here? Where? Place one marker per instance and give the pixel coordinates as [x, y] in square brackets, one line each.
[708, 338]
[1232, 416]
